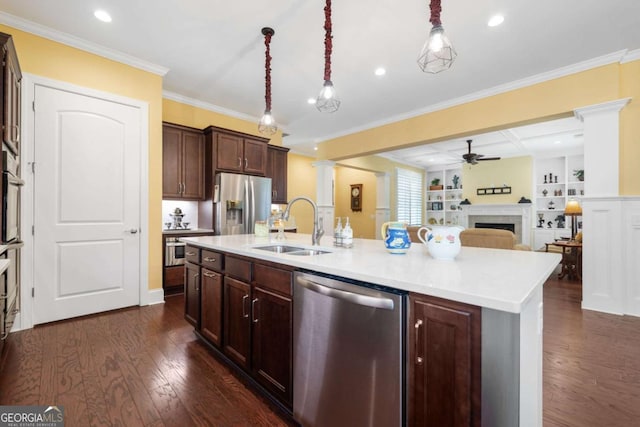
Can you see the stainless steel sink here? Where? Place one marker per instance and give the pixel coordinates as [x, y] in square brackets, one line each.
[281, 249]
[308, 252]
[291, 250]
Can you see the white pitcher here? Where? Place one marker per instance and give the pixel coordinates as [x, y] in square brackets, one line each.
[443, 242]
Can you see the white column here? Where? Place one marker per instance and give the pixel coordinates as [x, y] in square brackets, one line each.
[601, 147]
[325, 178]
[603, 278]
[383, 206]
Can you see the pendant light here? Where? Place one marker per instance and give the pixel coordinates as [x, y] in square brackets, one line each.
[327, 101]
[437, 53]
[267, 125]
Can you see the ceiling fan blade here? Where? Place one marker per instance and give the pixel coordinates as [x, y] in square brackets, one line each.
[488, 158]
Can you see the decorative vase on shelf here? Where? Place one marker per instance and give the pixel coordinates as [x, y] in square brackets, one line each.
[545, 192]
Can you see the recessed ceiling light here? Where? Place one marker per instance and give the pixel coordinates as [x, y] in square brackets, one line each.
[495, 20]
[380, 71]
[315, 148]
[311, 101]
[102, 15]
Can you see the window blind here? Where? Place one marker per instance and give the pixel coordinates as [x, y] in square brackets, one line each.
[409, 196]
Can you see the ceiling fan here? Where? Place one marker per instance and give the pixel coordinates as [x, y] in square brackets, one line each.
[473, 158]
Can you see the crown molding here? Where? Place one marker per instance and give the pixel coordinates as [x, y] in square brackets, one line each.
[633, 55]
[207, 106]
[78, 43]
[615, 57]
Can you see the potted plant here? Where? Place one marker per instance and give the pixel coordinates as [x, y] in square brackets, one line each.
[435, 184]
[579, 173]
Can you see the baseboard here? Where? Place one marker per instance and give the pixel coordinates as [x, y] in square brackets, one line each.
[155, 296]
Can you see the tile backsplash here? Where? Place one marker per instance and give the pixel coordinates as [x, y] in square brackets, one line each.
[189, 209]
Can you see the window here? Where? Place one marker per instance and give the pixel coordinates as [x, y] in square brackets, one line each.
[409, 196]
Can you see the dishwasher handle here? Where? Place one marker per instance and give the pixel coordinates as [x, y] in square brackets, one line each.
[352, 297]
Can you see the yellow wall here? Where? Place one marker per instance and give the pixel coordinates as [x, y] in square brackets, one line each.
[43, 57]
[301, 181]
[188, 115]
[363, 222]
[515, 172]
[544, 101]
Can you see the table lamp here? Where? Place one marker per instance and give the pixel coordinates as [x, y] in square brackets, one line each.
[573, 209]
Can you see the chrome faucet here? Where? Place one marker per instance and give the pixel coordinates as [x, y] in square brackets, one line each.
[318, 231]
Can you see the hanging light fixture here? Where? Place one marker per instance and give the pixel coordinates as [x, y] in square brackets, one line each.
[437, 53]
[327, 101]
[267, 125]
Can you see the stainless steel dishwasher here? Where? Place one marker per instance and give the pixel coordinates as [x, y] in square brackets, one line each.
[347, 353]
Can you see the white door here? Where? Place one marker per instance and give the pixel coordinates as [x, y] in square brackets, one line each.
[86, 205]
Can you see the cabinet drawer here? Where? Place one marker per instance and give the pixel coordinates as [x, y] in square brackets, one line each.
[212, 260]
[272, 278]
[238, 268]
[174, 276]
[192, 254]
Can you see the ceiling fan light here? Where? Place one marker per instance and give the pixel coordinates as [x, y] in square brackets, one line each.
[438, 53]
[327, 100]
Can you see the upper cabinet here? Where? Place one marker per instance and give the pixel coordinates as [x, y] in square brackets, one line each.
[10, 94]
[182, 162]
[277, 171]
[236, 152]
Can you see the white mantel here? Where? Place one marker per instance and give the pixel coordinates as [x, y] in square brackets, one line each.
[498, 212]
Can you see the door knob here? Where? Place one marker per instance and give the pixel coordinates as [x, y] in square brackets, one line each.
[133, 231]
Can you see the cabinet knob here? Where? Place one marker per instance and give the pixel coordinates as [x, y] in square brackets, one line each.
[419, 359]
[209, 259]
[244, 311]
[246, 163]
[239, 162]
[253, 310]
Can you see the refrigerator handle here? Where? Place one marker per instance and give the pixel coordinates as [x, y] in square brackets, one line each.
[252, 206]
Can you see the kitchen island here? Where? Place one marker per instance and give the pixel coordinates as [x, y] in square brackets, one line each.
[506, 286]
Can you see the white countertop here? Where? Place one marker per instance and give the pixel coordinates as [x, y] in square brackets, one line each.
[190, 231]
[493, 278]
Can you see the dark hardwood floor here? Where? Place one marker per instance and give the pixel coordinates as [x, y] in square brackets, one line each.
[141, 366]
[144, 367]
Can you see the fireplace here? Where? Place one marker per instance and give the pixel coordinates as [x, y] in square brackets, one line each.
[515, 217]
[497, 225]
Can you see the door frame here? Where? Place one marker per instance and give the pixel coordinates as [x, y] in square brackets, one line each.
[24, 319]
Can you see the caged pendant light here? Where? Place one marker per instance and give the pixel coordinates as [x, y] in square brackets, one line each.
[267, 125]
[327, 101]
[437, 53]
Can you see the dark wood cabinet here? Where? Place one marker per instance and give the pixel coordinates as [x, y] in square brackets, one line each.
[235, 152]
[272, 344]
[211, 306]
[237, 321]
[192, 294]
[444, 362]
[10, 90]
[277, 171]
[182, 162]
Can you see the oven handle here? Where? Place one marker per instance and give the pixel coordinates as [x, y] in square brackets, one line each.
[174, 244]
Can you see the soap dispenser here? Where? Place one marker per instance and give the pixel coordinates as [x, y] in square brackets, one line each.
[347, 234]
[338, 231]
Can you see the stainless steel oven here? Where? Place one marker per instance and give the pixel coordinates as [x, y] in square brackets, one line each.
[10, 198]
[174, 252]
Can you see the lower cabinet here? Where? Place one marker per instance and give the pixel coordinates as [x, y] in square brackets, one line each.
[211, 306]
[444, 362]
[237, 324]
[192, 294]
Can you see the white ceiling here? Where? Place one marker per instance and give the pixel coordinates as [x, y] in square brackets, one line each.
[214, 50]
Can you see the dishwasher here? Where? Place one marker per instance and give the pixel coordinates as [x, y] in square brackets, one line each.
[348, 353]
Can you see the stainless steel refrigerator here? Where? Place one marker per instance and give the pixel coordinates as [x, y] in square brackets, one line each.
[240, 201]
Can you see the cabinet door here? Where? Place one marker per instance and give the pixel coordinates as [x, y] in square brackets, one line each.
[192, 294]
[211, 306]
[272, 345]
[255, 157]
[444, 368]
[192, 165]
[229, 153]
[277, 171]
[171, 162]
[237, 323]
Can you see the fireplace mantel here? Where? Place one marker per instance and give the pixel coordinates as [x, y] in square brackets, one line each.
[519, 213]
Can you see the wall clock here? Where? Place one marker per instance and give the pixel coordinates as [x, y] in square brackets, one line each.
[356, 197]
